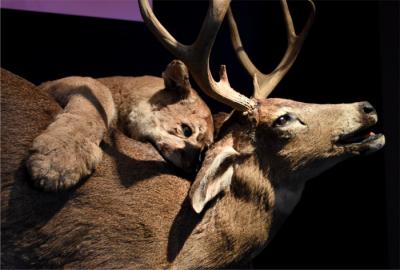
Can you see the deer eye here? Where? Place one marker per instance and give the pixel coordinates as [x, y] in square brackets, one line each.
[187, 131]
[282, 120]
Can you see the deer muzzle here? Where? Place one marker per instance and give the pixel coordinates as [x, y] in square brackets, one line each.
[363, 140]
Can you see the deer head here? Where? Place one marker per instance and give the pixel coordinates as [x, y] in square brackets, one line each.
[267, 148]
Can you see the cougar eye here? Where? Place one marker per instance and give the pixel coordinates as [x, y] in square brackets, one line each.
[187, 131]
[282, 120]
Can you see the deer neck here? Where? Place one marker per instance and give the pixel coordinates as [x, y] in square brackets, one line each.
[261, 195]
[253, 197]
[287, 187]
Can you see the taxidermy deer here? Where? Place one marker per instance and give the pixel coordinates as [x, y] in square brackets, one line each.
[136, 212]
[166, 112]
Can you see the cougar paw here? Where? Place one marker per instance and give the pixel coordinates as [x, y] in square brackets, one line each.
[59, 163]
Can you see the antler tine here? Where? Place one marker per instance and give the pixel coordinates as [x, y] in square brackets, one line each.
[267, 82]
[197, 55]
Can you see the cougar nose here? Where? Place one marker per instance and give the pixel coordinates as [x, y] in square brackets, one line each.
[367, 108]
[190, 157]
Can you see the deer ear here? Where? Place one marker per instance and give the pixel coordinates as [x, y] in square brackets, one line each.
[214, 176]
[176, 78]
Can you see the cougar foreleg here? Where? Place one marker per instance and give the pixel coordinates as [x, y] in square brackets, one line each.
[69, 148]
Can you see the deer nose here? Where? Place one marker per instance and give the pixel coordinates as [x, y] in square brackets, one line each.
[367, 108]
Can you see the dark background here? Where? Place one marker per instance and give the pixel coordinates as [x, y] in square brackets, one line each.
[349, 216]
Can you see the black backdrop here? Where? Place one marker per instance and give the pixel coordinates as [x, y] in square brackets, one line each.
[349, 216]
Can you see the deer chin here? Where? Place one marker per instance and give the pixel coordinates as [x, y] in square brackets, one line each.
[361, 141]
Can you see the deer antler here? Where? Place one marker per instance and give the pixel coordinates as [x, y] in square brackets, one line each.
[197, 55]
[267, 82]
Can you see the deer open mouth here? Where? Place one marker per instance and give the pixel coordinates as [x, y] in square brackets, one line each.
[362, 140]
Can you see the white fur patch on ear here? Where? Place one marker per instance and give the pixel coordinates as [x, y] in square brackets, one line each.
[214, 181]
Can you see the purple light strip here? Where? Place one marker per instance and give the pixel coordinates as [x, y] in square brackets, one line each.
[112, 9]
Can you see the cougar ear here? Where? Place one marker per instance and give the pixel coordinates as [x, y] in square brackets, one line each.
[214, 176]
[176, 78]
